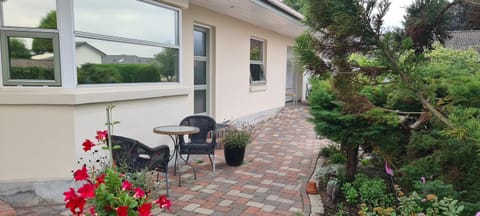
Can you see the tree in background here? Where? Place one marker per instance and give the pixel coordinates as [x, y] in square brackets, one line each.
[41, 45]
[18, 49]
[167, 63]
[298, 5]
[466, 17]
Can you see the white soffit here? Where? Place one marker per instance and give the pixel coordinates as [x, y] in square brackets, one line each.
[257, 12]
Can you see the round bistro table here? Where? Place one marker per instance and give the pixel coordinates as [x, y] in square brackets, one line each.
[174, 131]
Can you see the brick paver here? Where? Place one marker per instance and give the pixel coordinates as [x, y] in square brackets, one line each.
[278, 164]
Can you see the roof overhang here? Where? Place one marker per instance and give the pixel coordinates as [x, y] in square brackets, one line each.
[268, 14]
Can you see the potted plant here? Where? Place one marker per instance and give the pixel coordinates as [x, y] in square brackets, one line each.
[235, 142]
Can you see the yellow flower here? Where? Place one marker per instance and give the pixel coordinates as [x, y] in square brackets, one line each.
[431, 197]
[379, 210]
[361, 213]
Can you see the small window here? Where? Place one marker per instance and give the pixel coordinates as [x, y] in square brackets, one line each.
[29, 43]
[257, 62]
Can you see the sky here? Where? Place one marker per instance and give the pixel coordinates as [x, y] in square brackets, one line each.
[394, 17]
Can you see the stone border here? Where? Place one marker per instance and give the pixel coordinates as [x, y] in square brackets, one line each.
[315, 200]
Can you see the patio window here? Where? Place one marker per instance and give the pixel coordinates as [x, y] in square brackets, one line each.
[29, 43]
[257, 61]
[125, 41]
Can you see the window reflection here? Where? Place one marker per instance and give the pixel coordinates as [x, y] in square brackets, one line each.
[128, 19]
[256, 50]
[27, 64]
[28, 13]
[100, 61]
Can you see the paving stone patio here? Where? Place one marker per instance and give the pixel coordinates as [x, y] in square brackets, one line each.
[279, 162]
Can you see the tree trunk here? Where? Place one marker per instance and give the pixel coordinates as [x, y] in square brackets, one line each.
[352, 161]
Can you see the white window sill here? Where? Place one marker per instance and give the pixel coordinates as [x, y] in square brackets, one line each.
[77, 96]
[258, 87]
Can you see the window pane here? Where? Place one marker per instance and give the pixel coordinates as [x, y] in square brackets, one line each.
[27, 64]
[200, 70]
[128, 19]
[200, 43]
[100, 61]
[256, 72]
[200, 101]
[28, 13]
[256, 50]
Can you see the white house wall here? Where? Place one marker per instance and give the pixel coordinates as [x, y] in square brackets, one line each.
[233, 95]
[41, 129]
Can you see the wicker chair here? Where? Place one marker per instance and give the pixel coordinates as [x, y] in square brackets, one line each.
[137, 156]
[203, 142]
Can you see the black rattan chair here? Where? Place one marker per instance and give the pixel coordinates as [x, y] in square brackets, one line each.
[203, 142]
[137, 156]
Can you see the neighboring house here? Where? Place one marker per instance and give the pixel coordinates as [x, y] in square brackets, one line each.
[125, 59]
[225, 59]
[464, 40]
[86, 53]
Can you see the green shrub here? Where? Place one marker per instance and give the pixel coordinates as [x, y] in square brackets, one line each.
[371, 192]
[351, 194]
[329, 150]
[437, 187]
[32, 73]
[337, 158]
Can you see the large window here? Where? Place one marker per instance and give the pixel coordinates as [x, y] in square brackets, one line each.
[29, 43]
[257, 61]
[125, 41]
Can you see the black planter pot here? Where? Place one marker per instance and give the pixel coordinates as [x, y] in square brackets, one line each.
[234, 156]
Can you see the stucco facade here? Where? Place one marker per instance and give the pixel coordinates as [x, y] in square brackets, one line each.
[42, 128]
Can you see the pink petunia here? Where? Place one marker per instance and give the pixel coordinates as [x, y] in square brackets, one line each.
[388, 170]
[87, 145]
[81, 174]
[163, 202]
[423, 179]
[126, 185]
[101, 135]
[144, 210]
[139, 193]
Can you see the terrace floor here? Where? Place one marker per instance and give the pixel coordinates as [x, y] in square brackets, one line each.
[279, 163]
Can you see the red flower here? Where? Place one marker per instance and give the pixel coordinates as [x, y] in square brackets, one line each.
[100, 180]
[81, 174]
[126, 185]
[139, 193]
[87, 191]
[101, 135]
[122, 211]
[87, 145]
[74, 202]
[163, 202]
[144, 210]
[92, 211]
